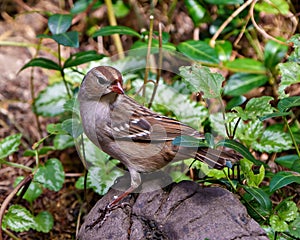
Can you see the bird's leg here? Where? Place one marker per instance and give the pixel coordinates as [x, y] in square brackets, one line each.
[135, 182]
[104, 213]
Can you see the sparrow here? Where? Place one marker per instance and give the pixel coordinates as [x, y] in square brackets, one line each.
[126, 130]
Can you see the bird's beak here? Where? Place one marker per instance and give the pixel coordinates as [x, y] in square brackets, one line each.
[117, 88]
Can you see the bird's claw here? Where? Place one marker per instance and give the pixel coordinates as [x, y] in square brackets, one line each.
[104, 213]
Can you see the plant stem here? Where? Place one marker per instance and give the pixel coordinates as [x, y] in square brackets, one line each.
[212, 42]
[224, 117]
[113, 22]
[11, 235]
[10, 197]
[26, 45]
[259, 29]
[148, 56]
[62, 72]
[17, 165]
[229, 180]
[292, 136]
[160, 58]
[32, 92]
[171, 11]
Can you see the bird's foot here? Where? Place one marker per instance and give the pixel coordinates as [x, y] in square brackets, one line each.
[105, 213]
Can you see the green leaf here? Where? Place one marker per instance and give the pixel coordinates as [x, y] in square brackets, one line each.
[245, 65]
[51, 175]
[274, 53]
[9, 145]
[33, 191]
[273, 7]
[178, 176]
[275, 114]
[273, 140]
[81, 5]
[55, 128]
[100, 178]
[224, 50]
[72, 105]
[240, 148]
[110, 30]
[61, 142]
[120, 9]
[270, 231]
[287, 103]
[294, 56]
[50, 101]
[82, 57]
[174, 101]
[188, 141]
[199, 51]
[290, 72]
[139, 48]
[210, 139]
[248, 132]
[282, 179]
[241, 83]
[59, 23]
[165, 36]
[255, 107]
[93, 155]
[201, 79]
[253, 179]
[41, 151]
[287, 211]
[73, 126]
[295, 40]
[235, 101]
[290, 162]
[18, 219]
[166, 46]
[69, 39]
[41, 62]
[294, 228]
[279, 225]
[260, 196]
[44, 222]
[224, 2]
[196, 11]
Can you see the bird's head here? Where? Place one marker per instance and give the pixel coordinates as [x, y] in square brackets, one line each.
[101, 81]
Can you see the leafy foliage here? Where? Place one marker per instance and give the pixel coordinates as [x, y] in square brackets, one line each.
[19, 219]
[201, 80]
[243, 123]
[45, 175]
[9, 145]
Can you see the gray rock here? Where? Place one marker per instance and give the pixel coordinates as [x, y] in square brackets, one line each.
[182, 211]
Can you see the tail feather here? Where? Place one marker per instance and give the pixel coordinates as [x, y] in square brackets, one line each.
[215, 158]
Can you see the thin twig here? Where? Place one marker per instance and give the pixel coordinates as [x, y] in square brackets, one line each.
[259, 29]
[292, 136]
[235, 44]
[32, 91]
[235, 127]
[10, 197]
[113, 22]
[148, 55]
[160, 60]
[223, 115]
[16, 165]
[10, 234]
[26, 45]
[62, 71]
[228, 20]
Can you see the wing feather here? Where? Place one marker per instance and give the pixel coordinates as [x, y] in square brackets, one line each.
[142, 124]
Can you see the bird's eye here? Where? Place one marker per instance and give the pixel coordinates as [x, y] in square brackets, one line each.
[101, 80]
